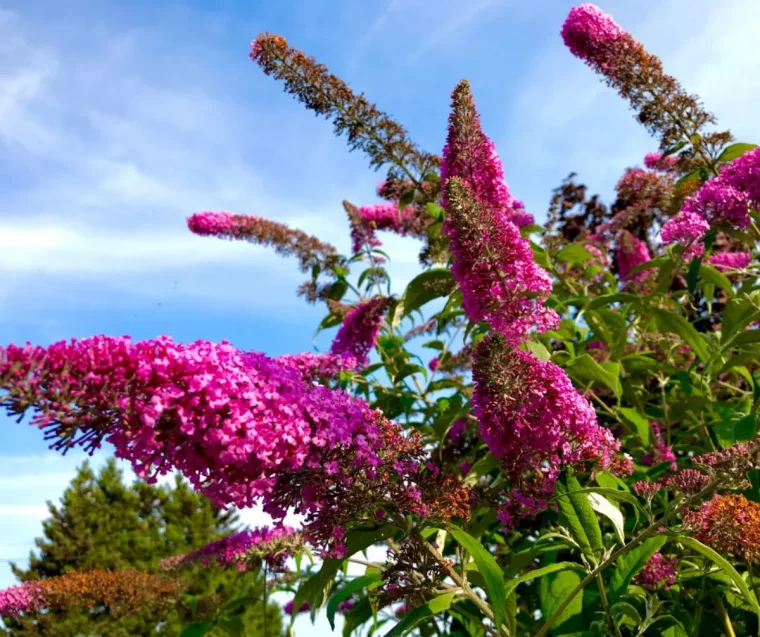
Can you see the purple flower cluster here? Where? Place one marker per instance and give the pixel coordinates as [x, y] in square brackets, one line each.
[359, 330]
[726, 199]
[659, 570]
[239, 549]
[533, 419]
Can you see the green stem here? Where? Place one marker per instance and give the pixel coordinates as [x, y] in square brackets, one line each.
[465, 586]
[723, 614]
[606, 605]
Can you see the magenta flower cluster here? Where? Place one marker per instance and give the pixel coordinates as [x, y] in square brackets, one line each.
[232, 423]
[589, 32]
[534, 420]
[382, 216]
[661, 451]
[493, 265]
[658, 571]
[631, 252]
[359, 330]
[20, 598]
[236, 550]
[724, 261]
[473, 158]
[656, 161]
[725, 199]
[313, 366]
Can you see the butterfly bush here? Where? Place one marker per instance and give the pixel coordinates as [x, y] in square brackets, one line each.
[532, 428]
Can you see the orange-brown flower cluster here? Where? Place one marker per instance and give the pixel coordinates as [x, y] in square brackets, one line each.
[123, 591]
[368, 129]
[728, 524]
[351, 493]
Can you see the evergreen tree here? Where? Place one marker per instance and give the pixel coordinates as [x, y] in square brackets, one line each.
[103, 523]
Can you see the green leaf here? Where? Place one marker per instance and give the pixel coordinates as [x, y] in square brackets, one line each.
[710, 275]
[357, 616]
[734, 151]
[692, 176]
[538, 350]
[425, 287]
[674, 149]
[739, 313]
[581, 519]
[406, 199]
[317, 587]
[726, 567]
[489, 569]
[631, 563]
[540, 572]
[573, 253]
[197, 629]
[670, 322]
[433, 607]
[553, 590]
[406, 370]
[692, 276]
[346, 591]
[585, 367]
[731, 430]
[604, 507]
[232, 625]
[435, 211]
[638, 421]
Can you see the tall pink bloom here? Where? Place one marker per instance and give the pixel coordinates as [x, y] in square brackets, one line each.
[494, 267]
[631, 252]
[661, 451]
[470, 155]
[239, 549]
[533, 419]
[360, 328]
[286, 241]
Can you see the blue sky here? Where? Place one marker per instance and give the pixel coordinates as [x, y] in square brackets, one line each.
[118, 119]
